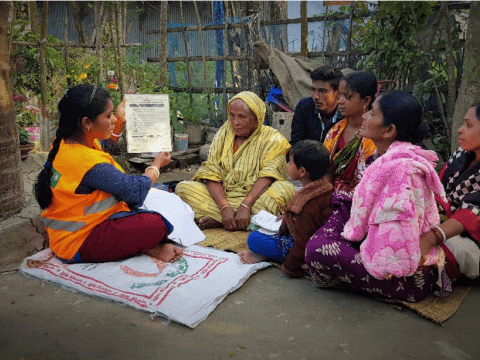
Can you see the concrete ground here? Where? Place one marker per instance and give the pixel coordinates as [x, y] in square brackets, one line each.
[269, 317]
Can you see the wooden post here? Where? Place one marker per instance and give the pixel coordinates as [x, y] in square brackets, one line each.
[118, 23]
[324, 31]
[225, 41]
[115, 55]
[163, 43]
[97, 8]
[246, 80]
[349, 36]
[202, 44]
[304, 28]
[44, 122]
[452, 89]
[189, 68]
[65, 49]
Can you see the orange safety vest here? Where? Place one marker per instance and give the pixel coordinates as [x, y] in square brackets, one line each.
[71, 217]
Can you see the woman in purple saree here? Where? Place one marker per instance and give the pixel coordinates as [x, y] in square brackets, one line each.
[371, 242]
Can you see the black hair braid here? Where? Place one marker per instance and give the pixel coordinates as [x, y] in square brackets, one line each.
[42, 191]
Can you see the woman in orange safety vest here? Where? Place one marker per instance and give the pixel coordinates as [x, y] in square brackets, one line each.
[90, 206]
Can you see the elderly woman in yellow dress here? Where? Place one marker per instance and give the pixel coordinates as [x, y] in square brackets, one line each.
[245, 171]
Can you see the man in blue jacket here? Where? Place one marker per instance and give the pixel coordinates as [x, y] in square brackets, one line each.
[315, 115]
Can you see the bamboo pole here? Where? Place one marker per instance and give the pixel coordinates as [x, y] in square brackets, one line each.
[119, 39]
[65, 49]
[163, 44]
[246, 81]
[323, 37]
[201, 89]
[225, 42]
[97, 7]
[304, 28]
[440, 109]
[85, 46]
[256, 69]
[202, 45]
[115, 52]
[268, 22]
[44, 122]
[189, 67]
[452, 90]
[349, 36]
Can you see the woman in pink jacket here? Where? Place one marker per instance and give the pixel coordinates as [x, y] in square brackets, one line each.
[374, 246]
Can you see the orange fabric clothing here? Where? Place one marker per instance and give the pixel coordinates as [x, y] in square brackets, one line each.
[353, 173]
[71, 217]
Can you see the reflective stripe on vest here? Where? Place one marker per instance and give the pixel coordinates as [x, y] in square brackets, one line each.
[100, 206]
[72, 226]
[64, 225]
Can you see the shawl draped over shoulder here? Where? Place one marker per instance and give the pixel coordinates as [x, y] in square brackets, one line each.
[350, 160]
[393, 205]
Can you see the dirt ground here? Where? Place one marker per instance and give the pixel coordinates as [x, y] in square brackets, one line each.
[269, 317]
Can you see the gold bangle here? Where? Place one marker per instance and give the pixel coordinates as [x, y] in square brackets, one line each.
[116, 135]
[242, 204]
[221, 210]
[155, 169]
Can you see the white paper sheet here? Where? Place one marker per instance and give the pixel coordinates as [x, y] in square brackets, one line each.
[178, 213]
[148, 123]
[266, 221]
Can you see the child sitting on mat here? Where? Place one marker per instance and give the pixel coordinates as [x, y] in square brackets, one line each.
[306, 212]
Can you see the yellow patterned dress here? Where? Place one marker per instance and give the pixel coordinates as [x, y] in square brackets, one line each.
[261, 155]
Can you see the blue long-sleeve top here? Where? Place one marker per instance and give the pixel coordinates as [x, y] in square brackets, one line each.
[132, 189]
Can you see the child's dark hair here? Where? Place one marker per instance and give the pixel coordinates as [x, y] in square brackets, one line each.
[78, 102]
[477, 111]
[405, 112]
[327, 74]
[364, 83]
[311, 155]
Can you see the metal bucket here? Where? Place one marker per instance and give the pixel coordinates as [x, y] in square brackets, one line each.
[180, 142]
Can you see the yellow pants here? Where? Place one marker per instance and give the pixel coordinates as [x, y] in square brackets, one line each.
[196, 194]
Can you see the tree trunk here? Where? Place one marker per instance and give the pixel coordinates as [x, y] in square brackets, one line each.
[469, 91]
[163, 43]
[79, 13]
[11, 179]
[44, 121]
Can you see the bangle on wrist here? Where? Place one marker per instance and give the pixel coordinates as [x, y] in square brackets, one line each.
[225, 206]
[437, 236]
[116, 135]
[444, 237]
[242, 204]
[155, 169]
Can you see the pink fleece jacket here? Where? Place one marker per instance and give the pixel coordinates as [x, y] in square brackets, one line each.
[393, 205]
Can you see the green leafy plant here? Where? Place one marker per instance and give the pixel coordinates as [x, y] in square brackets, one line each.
[28, 118]
[391, 37]
[24, 136]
